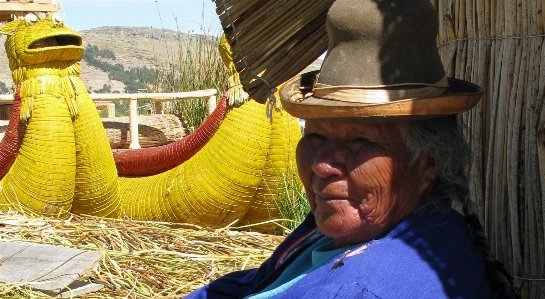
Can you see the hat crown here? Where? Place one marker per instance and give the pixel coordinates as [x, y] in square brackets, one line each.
[381, 42]
[382, 64]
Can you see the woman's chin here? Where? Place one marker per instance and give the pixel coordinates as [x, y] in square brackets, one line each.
[330, 225]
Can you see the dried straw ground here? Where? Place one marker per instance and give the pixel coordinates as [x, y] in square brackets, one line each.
[141, 259]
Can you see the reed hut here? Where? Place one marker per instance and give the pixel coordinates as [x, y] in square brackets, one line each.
[498, 45]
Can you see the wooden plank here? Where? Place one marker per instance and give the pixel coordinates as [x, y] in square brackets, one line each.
[46, 268]
[78, 288]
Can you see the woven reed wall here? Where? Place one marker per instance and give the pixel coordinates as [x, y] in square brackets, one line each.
[499, 45]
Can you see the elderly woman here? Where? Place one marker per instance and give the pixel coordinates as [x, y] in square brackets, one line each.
[382, 158]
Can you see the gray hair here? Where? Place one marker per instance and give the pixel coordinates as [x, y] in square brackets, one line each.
[443, 139]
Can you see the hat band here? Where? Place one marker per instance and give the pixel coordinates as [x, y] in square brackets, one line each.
[378, 94]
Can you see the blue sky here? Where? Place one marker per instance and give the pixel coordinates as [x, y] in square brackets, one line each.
[195, 16]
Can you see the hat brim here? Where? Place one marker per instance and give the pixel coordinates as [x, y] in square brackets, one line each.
[459, 97]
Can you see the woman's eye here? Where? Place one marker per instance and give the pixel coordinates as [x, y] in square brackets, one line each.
[359, 140]
[357, 144]
[314, 135]
[314, 138]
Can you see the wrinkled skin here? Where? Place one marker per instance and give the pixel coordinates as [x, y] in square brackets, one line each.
[359, 178]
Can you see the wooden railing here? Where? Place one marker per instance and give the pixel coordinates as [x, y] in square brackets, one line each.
[105, 100]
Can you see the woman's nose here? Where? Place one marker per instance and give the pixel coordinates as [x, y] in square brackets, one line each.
[330, 161]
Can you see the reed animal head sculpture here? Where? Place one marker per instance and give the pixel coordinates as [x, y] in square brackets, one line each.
[34, 45]
[64, 163]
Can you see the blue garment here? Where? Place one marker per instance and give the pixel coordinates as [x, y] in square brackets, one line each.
[311, 258]
[427, 255]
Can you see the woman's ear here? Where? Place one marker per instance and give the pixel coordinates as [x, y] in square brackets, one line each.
[428, 170]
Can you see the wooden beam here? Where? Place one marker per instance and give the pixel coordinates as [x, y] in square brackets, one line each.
[15, 7]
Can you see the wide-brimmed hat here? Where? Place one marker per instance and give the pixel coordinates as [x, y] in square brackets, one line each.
[382, 62]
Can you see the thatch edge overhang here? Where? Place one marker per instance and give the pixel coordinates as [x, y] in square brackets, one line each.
[273, 41]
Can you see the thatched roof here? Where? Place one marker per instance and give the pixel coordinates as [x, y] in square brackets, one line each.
[273, 40]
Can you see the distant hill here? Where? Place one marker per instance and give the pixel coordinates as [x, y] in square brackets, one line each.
[133, 47]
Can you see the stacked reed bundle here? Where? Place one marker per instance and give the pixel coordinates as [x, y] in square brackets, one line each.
[500, 45]
[153, 130]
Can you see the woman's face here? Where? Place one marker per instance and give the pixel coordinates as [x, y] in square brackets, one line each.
[359, 179]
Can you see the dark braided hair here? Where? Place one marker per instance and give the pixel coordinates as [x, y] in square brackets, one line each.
[442, 137]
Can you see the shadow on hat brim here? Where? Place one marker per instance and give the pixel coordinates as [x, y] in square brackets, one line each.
[459, 97]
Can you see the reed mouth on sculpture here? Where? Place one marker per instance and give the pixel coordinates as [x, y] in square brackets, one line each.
[54, 41]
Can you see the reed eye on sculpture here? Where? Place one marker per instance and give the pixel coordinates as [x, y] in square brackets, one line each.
[57, 18]
[31, 18]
